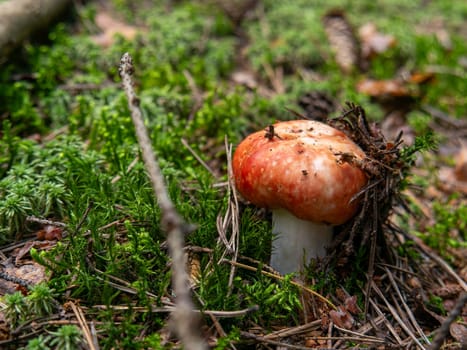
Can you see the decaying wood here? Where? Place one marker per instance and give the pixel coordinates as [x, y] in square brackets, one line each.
[21, 18]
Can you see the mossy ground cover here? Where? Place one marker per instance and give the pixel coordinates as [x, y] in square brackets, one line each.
[69, 156]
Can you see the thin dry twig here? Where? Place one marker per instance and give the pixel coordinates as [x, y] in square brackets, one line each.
[128, 169]
[396, 316]
[264, 340]
[428, 251]
[280, 278]
[443, 331]
[84, 325]
[231, 218]
[406, 307]
[282, 333]
[184, 320]
[372, 324]
[386, 321]
[167, 309]
[45, 221]
[361, 336]
[197, 94]
[198, 158]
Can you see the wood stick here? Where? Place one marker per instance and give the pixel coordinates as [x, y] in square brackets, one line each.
[21, 18]
[185, 321]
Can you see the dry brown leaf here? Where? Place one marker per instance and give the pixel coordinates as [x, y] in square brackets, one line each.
[408, 86]
[449, 183]
[458, 332]
[312, 342]
[342, 318]
[110, 27]
[460, 170]
[20, 253]
[351, 305]
[50, 233]
[4, 330]
[245, 78]
[449, 290]
[32, 272]
[373, 42]
[378, 88]
[23, 251]
[420, 78]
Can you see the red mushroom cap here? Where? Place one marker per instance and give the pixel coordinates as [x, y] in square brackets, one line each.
[297, 169]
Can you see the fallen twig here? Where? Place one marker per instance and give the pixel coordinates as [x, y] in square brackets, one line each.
[167, 309]
[428, 251]
[396, 316]
[443, 331]
[84, 325]
[231, 218]
[282, 333]
[406, 307]
[279, 344]
[45, 221]
[198, 158]
[184, 320]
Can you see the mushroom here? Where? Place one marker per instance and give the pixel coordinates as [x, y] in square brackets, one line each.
[297, 169]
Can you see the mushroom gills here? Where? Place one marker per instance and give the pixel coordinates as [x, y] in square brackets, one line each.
[296, 241]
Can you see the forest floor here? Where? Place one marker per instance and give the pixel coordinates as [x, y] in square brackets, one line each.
[84, 260]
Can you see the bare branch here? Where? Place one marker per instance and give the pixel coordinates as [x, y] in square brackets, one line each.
[184, 320]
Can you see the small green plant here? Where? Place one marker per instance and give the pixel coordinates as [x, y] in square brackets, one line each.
[41, 300]
[225, 342]
[16, 308]
[67, 337]
[39, 343]
[449, 228]
[426, 142]
[436, 303]
[277, 301]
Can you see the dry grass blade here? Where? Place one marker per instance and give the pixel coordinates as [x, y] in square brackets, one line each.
[229, 222]
[198, 158]
[128, 169]
[361, 337]
[278, 344]
[120, 284]
[428, 251]
[233, 205]
[294, 330]
[84, 326]
[396, 316]
[406, 307]
[370, 325]
[215, 313]
[185, 321]
[386, 322]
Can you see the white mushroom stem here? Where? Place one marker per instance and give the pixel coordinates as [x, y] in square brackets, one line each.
[296, 241]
